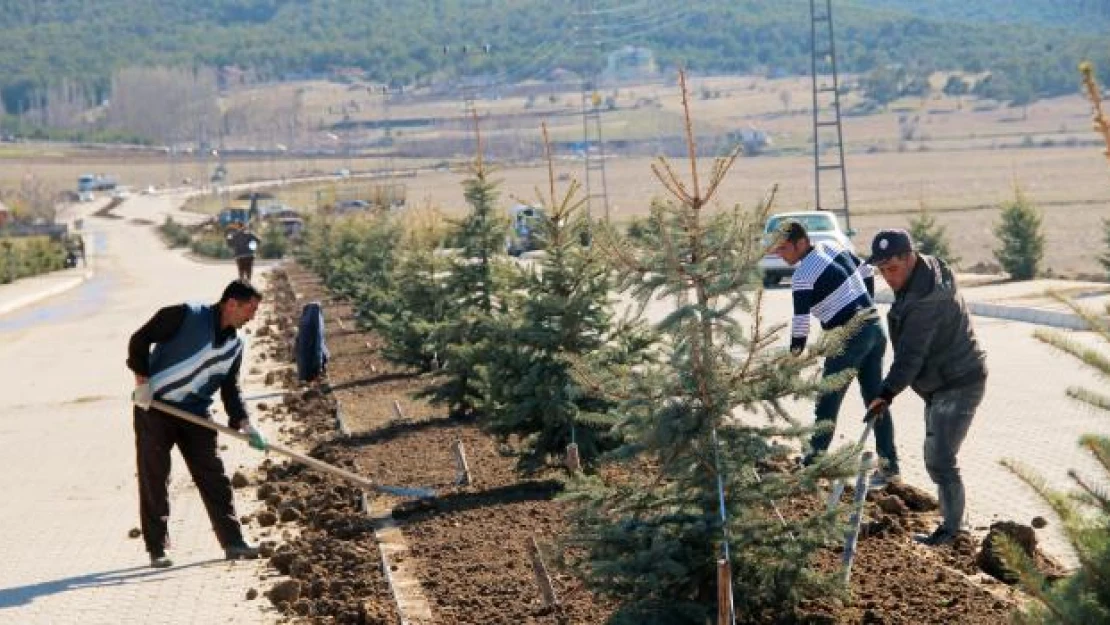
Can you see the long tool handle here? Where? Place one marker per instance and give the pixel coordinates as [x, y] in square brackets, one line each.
[838, 487]
[285, 451]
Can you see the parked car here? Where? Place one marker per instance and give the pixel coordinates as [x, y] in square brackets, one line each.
[276, 211]
[350, 206]
[821, 225]
[291, 226]
[525, 223]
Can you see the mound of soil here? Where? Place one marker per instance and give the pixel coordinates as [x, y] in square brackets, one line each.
[991, 555]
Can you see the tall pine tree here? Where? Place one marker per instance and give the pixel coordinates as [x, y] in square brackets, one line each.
[698, 426]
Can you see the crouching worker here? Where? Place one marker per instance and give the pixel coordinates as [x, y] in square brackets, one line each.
[936, 354]
[196, 351]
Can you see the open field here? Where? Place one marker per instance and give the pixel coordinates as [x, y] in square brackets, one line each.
[963, 188]
[651, 109]
[959, 156]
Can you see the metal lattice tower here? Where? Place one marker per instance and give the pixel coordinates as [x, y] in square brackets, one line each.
[596, 185]
[828, 132]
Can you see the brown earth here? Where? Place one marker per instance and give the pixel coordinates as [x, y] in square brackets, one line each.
[471, 544]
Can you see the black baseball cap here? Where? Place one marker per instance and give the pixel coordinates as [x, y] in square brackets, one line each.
[890, 243]
[792, 230]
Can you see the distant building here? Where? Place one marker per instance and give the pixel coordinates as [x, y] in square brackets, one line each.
[631, 63]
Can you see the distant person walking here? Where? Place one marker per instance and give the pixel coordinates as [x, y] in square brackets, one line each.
[81, 250]
[244, 244]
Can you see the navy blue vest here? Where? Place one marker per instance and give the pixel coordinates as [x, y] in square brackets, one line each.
[187, 370]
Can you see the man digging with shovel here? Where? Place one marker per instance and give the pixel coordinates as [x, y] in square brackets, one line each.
[196, 352]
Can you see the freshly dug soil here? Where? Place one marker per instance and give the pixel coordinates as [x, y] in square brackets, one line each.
[471, 544]
[328, 548]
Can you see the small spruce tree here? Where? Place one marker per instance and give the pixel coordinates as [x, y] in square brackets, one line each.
[565, 316]
[476, 289]
[420, 297]
[1102, 127]
[1084, 596]
[1022, 241]
[930, 237]
[697, 425]
[315, 251]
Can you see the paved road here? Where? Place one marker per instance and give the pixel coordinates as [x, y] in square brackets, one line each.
[67, 445]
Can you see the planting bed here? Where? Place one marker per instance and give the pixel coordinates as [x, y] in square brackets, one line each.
[469, 548]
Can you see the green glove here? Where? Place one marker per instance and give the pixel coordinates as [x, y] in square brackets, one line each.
[255, 436]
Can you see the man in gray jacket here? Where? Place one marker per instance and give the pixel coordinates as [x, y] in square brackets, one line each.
[936, 353]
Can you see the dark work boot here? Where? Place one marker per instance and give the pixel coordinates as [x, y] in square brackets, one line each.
[241, 551]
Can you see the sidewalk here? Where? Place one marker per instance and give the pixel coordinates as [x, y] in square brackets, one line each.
[69, 498]
[27, 291]
[1027, 301]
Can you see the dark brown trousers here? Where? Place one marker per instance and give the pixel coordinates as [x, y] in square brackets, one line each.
[246, 267]
[155, 435]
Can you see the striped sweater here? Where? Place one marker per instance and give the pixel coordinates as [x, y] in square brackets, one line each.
[832, 284]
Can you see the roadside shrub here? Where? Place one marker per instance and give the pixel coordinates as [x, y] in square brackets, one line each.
[274, 242]
[930, 237]
[1021, 238]
[175, 234]
[212, 245]
[30, 256]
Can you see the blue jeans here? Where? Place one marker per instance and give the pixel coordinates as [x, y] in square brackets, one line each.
[863, 352]
[948, 416]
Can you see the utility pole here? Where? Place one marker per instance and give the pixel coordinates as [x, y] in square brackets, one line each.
[828, 132]
[596, 185]
[469, 91]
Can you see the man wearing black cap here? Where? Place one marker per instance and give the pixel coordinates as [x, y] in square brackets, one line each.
[936, 353]
[834, 285]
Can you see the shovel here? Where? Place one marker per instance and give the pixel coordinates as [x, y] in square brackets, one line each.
[400, 491]
[838, 486]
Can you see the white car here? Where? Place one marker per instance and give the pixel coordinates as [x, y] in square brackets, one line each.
[821, 226]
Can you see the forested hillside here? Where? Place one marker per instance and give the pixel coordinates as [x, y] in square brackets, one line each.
[1085, 15]
[412, 41]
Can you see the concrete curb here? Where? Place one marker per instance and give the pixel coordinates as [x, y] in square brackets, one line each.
[1025, 314]
[44, 293]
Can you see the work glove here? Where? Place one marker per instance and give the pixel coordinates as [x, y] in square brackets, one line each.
[142, 395]
[255, 436]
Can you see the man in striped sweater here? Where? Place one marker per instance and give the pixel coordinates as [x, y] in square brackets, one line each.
[834, 285]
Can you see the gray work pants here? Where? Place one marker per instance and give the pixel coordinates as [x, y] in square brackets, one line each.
[948, 415]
